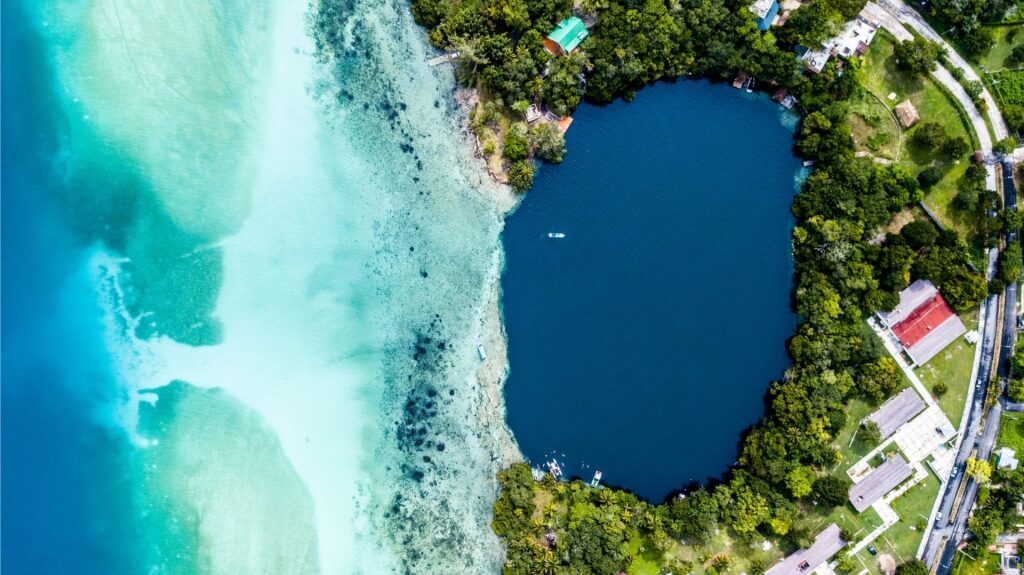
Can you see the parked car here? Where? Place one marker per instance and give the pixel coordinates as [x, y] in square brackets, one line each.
[872, 550]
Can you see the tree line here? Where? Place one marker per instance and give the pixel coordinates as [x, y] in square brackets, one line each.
[843, 269]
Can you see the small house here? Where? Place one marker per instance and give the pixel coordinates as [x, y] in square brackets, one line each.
[566, 37]
[907, 113]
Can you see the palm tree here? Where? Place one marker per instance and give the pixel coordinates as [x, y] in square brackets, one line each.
[549, 510]
[469, 61]
[548, 564]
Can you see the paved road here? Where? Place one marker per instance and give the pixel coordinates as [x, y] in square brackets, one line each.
[942, 531]
[912, 18]
[894, 15]
[952, 535]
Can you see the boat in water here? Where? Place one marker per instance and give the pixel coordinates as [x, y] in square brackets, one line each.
[556, 235]
[555, 469]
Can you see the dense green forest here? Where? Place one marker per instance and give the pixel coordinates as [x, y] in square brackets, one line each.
[500, 47]
[845, 268]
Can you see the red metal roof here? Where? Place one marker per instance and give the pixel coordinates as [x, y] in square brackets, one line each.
[922, 320]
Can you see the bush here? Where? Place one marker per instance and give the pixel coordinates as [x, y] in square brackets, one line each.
[879, 140]
[929, 177]
[1016, 389]
[919, 234]
[917, 56]
[1017, 55]
[517, 147]
[930, 135]
[830, 491]
[913, 567]
[954, 148]
[520, 175]
[966, 199]
[1005, 146]
[940, 389]
[548, 143]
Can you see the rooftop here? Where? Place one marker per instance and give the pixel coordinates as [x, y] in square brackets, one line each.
[1007, 458]
[879, 482]
[897, 411]
[802, 562]
[907, 113]
[569, 33]
[914, 295]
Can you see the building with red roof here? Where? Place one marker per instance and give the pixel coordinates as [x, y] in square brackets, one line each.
[923, 322]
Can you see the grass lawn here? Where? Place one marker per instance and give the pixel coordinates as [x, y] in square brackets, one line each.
[913, 507]
[985, 565]
[1006, 38]
[1011, 431]
[940, 201]
[857, 410]
[647, 562]
[846, 517]
[880, 76]
[875, 131]
[953, 367]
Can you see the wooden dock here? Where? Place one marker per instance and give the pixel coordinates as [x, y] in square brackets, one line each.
[442, 59]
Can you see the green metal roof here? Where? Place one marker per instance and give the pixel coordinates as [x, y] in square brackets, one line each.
[569, 33]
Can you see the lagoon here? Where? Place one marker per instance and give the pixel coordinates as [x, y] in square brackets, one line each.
[642, 343]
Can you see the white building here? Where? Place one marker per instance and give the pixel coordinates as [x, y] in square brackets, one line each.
[852, 41]
[1007, 459]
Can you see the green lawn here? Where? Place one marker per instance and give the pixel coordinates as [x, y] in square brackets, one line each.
[880, 76]
[953, 367]
[875, 131]
[647, 562]
[985, 565]
[1006, 38]
[1011, 431]
[913, 507]
[846, 517]
[855, 412]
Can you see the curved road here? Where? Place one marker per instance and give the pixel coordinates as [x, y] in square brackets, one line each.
[978, 432]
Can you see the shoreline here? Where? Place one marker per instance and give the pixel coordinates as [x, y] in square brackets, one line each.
[492, 373]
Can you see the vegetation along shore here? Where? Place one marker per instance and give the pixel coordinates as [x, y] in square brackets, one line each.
[852, 246]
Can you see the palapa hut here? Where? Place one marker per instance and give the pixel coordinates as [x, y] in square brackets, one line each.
[907, 113]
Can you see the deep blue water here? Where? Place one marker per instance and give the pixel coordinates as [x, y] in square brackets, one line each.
[66, 504]
[643, 342]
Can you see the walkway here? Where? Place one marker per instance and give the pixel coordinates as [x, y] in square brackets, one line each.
[894, 15]
[912, 18]
[897, 355]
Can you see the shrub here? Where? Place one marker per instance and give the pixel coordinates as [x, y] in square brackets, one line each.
[929, 177]
[548, 143]
[954, 148]
[919, 234]
[520, 175]
[517, 147]
[930, 135]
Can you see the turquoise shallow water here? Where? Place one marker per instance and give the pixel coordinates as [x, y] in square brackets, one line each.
[244, 278]
[643, 342]
[252, 269]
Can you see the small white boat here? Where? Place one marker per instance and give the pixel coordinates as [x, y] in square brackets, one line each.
[750, 85]
[481, 352]
[555, 469]
[556, 235]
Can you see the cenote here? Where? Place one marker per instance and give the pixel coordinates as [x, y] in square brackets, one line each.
[643, 342]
